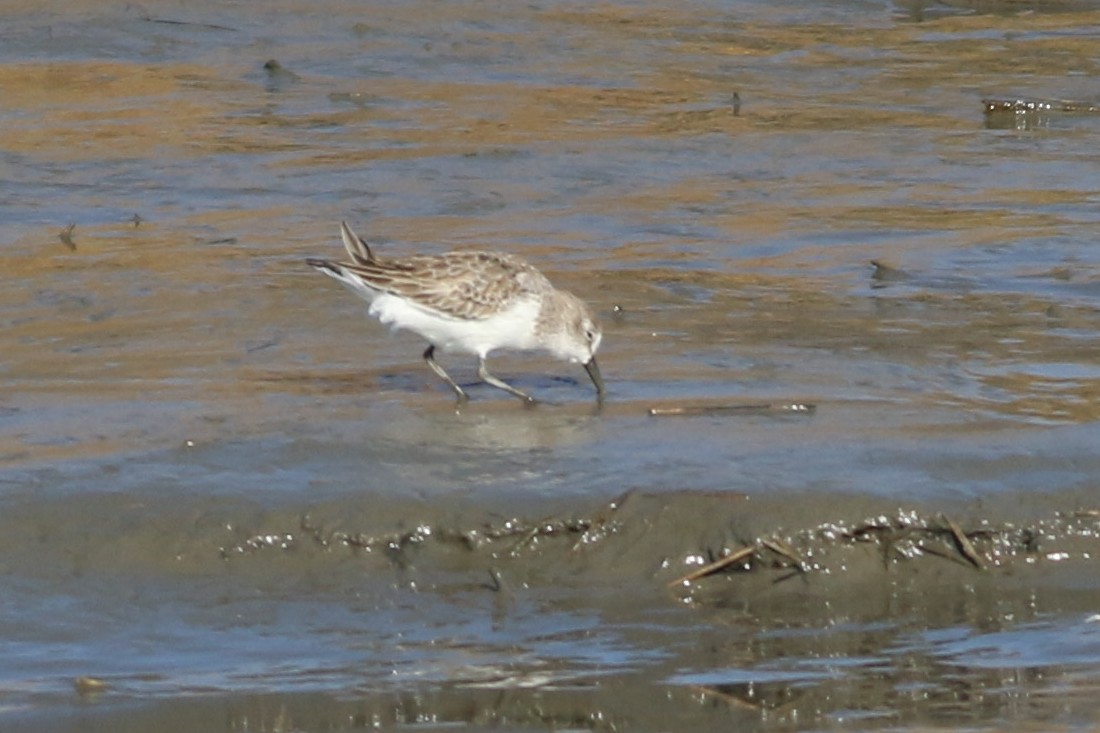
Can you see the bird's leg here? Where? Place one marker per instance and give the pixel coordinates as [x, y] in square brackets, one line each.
[429, 359]
[483, 372]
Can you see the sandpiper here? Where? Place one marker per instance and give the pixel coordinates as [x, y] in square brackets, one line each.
[470, 303]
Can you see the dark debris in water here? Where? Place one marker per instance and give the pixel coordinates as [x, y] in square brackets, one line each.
[906, 536]
[518, 532]
[883, 274]
[89, 686]
[696, 410]
[278, 76]
[831, 549]
[189, 24]
[1026, 106]
[66, 237]
[1029, 114]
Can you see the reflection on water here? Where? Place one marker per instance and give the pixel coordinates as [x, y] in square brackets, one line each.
[228, 497]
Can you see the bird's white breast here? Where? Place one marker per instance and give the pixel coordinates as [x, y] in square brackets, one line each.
[512, 328]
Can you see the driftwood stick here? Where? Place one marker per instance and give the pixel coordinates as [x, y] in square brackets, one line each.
[714, 567]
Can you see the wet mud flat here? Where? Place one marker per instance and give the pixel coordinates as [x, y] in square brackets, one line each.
[648, 610]
[845, 476]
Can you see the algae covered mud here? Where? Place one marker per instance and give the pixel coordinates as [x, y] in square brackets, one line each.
[229, 501]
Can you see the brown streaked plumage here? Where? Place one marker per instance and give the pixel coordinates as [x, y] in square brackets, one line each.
[469, 285]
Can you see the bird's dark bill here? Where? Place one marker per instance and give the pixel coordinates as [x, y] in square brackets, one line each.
[593, 370]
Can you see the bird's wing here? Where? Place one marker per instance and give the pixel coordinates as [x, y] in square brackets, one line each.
[354, 244]
[467, 285]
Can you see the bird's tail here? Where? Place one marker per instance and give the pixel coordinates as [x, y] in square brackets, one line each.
[345, 272]
[347, 277]
[332, 269]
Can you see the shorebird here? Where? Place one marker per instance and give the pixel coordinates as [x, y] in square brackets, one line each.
[470, 303]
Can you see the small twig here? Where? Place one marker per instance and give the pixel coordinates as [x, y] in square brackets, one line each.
[66, 236]
[617, 503]
[733, 700]
[795, 573]
[965, 546]
[496, 586]
[953, 557]
[602, 521]
[169, 21]
[714, 567]
[783, 550]
[527, 537]
[694, 410]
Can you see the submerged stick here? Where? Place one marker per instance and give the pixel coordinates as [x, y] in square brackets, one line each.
[714, 567]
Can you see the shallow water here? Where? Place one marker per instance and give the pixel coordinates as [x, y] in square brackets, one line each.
[230, 501]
